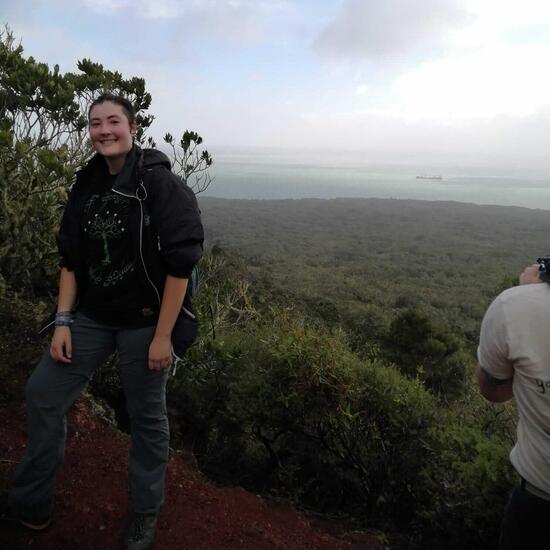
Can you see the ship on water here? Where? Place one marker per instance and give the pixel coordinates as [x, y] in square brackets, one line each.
[429, 177]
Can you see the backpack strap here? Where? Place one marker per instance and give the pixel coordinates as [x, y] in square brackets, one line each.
[193, 282]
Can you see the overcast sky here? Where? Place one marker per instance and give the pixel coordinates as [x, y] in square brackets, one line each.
[441, 77]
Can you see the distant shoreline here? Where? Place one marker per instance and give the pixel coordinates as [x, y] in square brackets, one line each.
[353, 200]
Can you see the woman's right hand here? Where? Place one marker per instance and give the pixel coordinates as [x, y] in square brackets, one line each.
[61, 347]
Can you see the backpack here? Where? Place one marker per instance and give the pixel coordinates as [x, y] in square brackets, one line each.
[185, 328]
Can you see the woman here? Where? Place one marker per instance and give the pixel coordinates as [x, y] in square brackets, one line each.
[130, 236]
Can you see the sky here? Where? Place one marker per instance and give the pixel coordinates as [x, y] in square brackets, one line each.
[464, 80]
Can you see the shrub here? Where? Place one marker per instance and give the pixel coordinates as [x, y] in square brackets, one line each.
[467, 476]
[280, 405]
[425, 348]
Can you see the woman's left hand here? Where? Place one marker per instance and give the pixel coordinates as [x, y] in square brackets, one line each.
[160, 353]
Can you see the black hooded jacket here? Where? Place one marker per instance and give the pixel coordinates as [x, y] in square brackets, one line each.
[166, 228]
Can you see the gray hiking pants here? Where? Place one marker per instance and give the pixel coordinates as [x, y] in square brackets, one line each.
[53, 388]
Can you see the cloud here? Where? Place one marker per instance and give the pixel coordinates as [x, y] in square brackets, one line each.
[488, 82]
[380, 29]
[148, 9]
[233, 21]
[505, 141]
[361, 89]
[168, 9]
[107, 7]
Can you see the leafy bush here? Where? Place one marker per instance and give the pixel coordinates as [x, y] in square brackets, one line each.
[426, 349]
[20, 346]
[279, 405]
[467, 480]
[275, 404]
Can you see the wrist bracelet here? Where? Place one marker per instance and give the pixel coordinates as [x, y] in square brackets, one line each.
[64, 319]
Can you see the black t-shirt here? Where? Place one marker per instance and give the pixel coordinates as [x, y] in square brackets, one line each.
[115, 292]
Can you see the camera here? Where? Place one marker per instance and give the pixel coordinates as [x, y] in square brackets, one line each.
[544, 268]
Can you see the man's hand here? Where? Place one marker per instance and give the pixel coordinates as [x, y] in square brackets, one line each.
[160, 353]
[530, 275]
[61, 348]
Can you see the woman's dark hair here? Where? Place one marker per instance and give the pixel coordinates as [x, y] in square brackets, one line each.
[126, 105]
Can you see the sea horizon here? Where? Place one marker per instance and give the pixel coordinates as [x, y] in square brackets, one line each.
[310, 174]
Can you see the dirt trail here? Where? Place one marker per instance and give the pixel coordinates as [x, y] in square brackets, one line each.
[92, 500]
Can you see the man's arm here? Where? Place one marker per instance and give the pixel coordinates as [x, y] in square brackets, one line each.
[499, 390]
[494, 389]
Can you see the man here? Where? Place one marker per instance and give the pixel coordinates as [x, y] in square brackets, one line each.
[514, 361]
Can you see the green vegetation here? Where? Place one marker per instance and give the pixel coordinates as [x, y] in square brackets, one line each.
[335, 360]
[291, 408]
[357, 262]
[427, 350]
[276, 400]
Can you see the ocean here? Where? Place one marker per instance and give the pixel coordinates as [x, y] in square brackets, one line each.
[312, 175]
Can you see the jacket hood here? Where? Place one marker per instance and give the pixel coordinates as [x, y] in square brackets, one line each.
[137, 160]
[152, 157]
[128, 180]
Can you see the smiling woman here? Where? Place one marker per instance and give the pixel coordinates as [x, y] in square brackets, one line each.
[123, 286]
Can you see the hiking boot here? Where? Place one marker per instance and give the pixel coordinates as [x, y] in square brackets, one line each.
[141, 532]
[7, 514]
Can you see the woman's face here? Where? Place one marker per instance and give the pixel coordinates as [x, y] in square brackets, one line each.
[110, 131]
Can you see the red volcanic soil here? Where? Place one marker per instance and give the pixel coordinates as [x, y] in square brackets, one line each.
[92, 500]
